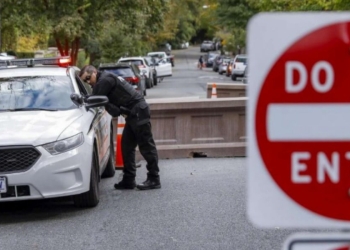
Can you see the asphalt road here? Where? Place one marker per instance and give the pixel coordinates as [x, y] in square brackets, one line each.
[202, 203]
[187, 79]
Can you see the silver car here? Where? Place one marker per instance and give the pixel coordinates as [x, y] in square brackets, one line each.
[223, 65]
[207, 46]
[55, 139]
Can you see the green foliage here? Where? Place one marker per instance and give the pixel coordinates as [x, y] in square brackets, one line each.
[81, 59]
[25, 54]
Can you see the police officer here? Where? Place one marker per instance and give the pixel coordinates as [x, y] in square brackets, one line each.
[125, 100]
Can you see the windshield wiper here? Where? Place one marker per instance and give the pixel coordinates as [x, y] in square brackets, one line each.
[30, 109]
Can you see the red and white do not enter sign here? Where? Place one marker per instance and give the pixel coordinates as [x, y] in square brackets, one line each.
[301, 133]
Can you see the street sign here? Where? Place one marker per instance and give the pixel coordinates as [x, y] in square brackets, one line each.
[313, 241]
[299, 120]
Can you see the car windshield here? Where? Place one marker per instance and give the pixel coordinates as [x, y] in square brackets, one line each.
[123, 72]
[36, 93]
[136, 62]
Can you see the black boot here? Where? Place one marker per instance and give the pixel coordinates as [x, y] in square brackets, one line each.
[126, 183]
[152, 182]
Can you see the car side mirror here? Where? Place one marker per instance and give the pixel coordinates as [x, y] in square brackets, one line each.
[95, 101]
[77, 99]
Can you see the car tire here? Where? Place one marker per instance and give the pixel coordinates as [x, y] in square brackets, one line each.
[110, 168]
[151, 82]
[155, 80]
[233, 77]
[148, 83]
[92, 197]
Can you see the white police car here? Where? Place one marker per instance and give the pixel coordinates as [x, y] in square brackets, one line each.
[55, 140]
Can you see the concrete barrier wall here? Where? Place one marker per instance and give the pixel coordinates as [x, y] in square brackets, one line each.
[198, 127]
[193, 127]
[224, 90]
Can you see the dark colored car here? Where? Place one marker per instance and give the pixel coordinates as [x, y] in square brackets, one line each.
[209, 58]
[216, 62]
[130, 73]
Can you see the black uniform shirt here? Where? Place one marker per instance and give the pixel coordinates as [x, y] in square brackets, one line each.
[119, 92]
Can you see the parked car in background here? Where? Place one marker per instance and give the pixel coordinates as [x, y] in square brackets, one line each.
[245, 75]
[5, 56]
[165, 47]
[209, 59]
[207, 46]
[216, 62]
[184, 45]
[223, 65]
[229, 68]
[162, 62]
[142, 64]
[129, 72]
[162, 55]
[55, 139]
[152, 64]
[239, 65]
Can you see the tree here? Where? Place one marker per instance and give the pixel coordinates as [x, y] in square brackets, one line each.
[233, 16]
[70, 22]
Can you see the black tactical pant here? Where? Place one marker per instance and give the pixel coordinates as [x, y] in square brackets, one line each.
[138, 132]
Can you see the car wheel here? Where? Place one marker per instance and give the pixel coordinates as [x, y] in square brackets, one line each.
[233, 77]
[155, 80]
[148, 84]
[151, 82]
[92, 197]
[110, 168]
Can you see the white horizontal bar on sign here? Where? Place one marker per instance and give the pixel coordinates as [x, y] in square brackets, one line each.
[308, 122]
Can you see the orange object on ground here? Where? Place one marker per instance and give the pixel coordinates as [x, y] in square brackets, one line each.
[119, 163]
[213, 91]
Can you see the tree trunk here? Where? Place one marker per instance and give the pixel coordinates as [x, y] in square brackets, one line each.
[76, 53]
[66, 47]
[59, 46]
[72, 53]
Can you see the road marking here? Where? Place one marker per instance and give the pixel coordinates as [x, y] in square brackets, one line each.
[210, 77]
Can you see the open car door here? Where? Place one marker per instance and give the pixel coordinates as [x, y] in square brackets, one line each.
[164, 68]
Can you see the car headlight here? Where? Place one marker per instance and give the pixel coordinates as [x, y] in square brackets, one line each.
[65, 145]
